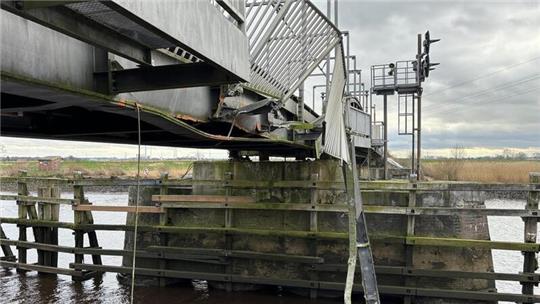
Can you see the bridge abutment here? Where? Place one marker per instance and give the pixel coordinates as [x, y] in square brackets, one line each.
[246, 225]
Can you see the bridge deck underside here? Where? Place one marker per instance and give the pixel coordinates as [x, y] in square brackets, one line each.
[39, 110]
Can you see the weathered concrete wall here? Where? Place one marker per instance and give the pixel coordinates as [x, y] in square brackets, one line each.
[433, 257]
[145, 239]
[332, 251]
[464, 226]
[270, 220]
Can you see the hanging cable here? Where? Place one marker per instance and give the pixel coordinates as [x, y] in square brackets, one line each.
[136, 204]
[187, 170]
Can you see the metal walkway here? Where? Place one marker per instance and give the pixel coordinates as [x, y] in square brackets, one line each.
[193, 94]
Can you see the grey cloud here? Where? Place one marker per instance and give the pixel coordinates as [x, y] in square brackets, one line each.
[478, 38]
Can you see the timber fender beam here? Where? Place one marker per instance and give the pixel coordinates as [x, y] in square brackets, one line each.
[385, 289]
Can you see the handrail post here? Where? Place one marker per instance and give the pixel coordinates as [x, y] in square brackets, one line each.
[530, 264]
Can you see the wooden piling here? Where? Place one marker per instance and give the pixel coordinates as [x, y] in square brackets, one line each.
[44, 214]
[78, 195]
[163, 219]
[6, 249]
[55, 216]
[530, 263]
[23, 213]
[48, 235]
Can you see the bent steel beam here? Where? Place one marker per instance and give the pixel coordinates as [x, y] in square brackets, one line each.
[95, 117]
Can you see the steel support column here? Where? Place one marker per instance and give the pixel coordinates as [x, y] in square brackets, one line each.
[419, 106]
[385, 115]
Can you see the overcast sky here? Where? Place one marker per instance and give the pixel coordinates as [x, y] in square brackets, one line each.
[495, 42]
[484, 95]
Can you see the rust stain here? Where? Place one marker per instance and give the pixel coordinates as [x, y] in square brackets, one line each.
[221, 137]
[122, 103]
[187, 118]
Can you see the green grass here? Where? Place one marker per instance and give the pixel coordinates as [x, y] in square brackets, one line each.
[481, 170]
[120, 168]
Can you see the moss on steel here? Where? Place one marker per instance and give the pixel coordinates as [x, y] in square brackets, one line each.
[298, 125]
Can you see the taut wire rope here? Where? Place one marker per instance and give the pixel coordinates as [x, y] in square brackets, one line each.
[136, 204]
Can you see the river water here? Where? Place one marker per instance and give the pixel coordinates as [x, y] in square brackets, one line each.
[33, 288]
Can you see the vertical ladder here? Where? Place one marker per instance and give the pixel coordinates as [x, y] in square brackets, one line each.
[405, 114]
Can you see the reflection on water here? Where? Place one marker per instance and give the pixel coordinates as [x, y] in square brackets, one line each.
[31, 287]
[510, 229]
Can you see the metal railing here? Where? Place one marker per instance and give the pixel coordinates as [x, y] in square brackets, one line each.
[405, 75]
[377, 134]
[383, 77]
[359, 122]
[400, 76]
[287, 40]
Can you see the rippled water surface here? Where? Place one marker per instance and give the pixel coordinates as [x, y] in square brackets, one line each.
[510, 229]
[33, 288]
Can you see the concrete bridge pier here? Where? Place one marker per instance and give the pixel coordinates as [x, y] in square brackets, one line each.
[247, 225]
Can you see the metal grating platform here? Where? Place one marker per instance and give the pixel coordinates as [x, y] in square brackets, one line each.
[114, 17]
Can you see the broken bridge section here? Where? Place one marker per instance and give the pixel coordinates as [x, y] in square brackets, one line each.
[79, 63]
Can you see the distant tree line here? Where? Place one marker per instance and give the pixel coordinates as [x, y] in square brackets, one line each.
[507, 154]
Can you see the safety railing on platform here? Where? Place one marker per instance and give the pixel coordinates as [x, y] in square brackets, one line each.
[360, 124]
[405, 73]
[45, 223]
[377, 134]
[383, 78]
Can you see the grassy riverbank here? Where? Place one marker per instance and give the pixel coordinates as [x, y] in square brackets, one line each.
[105, 168]
[503, 171]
